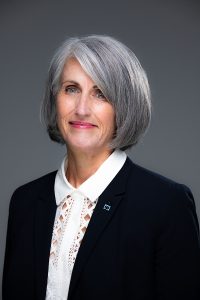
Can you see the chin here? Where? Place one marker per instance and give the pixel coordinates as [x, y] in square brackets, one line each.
[84, 148]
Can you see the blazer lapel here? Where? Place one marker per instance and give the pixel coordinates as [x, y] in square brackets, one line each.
[106, 206]
[44, 221]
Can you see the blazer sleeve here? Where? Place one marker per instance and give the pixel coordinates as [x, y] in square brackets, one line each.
[14, 261]
[178, 250]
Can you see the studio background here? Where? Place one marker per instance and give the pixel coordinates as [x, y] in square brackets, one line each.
[165, 35]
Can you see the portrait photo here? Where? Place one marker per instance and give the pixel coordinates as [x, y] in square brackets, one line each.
[100, 194]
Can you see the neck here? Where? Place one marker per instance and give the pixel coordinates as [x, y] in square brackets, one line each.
[83, 165]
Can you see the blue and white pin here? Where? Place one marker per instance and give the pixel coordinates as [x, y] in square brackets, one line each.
[107, 206]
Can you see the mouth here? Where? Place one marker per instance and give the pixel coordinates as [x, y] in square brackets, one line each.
[81, 124]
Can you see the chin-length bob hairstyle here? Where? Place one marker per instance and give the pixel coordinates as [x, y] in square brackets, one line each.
[118, 74]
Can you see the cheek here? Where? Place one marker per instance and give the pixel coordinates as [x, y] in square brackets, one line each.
[109, 122]
[62, 108]
[59, 107]
[106, 113]
[111, 118]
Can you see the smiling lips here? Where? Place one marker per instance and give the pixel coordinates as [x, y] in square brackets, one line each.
[82, 124]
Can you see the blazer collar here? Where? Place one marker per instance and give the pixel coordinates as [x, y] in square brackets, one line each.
[106, 206]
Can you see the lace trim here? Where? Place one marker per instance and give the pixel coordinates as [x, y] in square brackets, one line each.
[86, 215]
[59, 228]
[63, 214]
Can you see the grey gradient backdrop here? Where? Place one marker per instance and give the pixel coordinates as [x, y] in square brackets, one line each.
[165, 35]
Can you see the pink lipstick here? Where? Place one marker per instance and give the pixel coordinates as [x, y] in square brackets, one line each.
[81, 124]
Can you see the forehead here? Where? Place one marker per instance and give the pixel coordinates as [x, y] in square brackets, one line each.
[72, 68]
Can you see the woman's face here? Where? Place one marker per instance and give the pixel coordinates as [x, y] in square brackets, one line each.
[85, 118]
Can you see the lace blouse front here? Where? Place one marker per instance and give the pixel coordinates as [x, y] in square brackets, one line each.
[74, 211]
[66, 240]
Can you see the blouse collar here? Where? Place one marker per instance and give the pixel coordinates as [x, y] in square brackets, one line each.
[94, 186]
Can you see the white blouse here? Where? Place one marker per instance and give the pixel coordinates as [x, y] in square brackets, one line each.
[74, 211]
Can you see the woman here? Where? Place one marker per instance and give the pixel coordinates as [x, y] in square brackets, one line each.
[101, 227]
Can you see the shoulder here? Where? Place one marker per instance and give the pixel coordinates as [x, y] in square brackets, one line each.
[147, 176]
[26, 192]
[157, 190]
[149, 179]
[37, 184]
[160, 200]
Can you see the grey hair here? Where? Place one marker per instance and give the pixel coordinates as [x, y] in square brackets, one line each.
[118, 74]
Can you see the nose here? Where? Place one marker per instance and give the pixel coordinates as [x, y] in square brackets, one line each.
[83, 105]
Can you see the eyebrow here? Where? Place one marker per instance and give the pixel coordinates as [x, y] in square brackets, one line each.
[76, 83]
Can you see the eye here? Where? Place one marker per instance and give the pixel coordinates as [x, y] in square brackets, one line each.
[99, 94]
[71, 89]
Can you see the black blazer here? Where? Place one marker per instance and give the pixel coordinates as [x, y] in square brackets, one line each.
[145, 247]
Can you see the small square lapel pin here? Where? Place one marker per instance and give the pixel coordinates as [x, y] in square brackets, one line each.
[107, 207]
